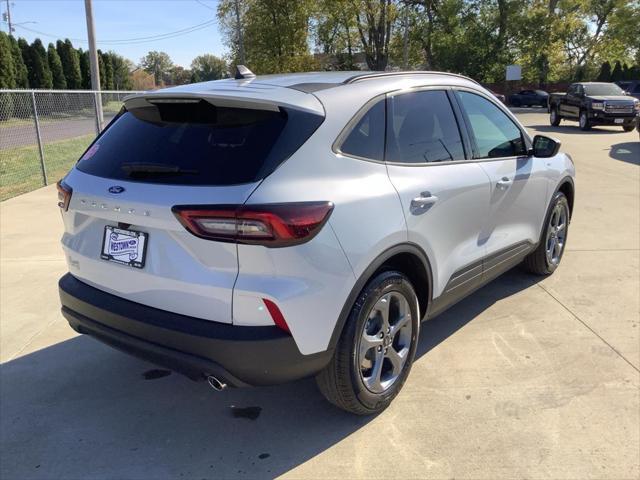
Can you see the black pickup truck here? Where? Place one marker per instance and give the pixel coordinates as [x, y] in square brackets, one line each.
[593, 103]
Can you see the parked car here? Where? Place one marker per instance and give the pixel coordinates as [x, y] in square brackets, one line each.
[594, 103]
[630, 87]
[499, 96]
[258, 230]
[529, 98]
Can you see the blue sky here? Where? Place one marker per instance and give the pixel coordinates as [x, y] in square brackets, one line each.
[123, 20]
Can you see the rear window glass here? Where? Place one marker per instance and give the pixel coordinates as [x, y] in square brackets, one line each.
[367, 137]
[197, 144]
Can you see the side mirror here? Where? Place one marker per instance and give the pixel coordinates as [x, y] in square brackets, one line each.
[545, 147]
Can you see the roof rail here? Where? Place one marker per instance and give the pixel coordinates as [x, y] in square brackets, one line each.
[366, 76]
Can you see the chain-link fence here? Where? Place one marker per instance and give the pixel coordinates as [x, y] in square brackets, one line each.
[44, 132]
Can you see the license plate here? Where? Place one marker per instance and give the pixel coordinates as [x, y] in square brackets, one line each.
[126, 247]
[619, 120]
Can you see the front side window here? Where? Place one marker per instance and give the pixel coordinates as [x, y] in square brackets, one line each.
[494, 133]
[366, 138]
[421, 128]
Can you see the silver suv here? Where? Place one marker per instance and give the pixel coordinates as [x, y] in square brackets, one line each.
[259, 230]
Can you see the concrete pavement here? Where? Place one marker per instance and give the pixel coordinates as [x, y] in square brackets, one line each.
[527, 378]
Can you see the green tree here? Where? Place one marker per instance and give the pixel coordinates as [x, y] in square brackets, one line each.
[7, 66]
[617, 73]
[158, 64]
[108, 71]
[85, 69]
[605, 72]
[208, 67]
[70, 63]
[121, 72]
[275, 34]
[39, 72]
[181, 76]
[55, 65]
[22, 75]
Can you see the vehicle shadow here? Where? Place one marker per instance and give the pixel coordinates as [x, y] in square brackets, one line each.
[574, 129]
[79, 409]
[626, 152]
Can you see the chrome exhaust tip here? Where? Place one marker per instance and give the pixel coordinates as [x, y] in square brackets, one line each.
[215, 383]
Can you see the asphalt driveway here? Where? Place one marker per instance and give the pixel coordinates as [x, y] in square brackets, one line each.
[527, 378]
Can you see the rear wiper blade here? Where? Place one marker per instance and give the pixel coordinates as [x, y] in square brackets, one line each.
[142, 169]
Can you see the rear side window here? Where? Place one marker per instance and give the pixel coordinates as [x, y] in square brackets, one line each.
[494, 133]
[197, 144]
[422, 128]
[366, 139]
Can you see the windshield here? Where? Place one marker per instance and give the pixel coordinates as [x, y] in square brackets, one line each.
[603, 89]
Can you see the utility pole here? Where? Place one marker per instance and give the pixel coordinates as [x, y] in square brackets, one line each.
[239, 33]
[9, 17]
[93, 59]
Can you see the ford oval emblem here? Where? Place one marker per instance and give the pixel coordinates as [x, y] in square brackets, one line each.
[116, 189]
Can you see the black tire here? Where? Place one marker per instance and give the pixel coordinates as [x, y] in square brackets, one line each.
[341, 381]
[583, 120]
[554, 117]
[537, 262]
[516, 103]
[628, 128]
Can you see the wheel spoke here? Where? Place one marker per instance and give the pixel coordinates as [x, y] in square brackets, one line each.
[397, 359]
[383, 307]
[402, 321]
[373, 381]
[367, 343]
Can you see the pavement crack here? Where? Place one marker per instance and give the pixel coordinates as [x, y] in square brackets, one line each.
[588, 327]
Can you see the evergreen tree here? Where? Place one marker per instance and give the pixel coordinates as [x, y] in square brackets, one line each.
[7, 66]
[103, 79]
[39, 73]
[605, 72]
[70, 63]
[108, 71]
[25, 51]
[55, 65]
[616, 75]
[22, 75]
[85, 69]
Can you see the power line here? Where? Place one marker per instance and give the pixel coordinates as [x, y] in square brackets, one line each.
[205, 5]
[130, 41]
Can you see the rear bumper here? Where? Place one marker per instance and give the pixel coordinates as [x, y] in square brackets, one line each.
[237, 355]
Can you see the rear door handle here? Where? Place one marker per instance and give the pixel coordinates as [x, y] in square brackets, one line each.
[504, 183]
[420, 204]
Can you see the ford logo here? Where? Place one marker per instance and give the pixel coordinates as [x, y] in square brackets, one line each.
[116, 189]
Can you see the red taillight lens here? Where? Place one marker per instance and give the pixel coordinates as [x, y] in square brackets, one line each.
[272, 225]
[64, 195]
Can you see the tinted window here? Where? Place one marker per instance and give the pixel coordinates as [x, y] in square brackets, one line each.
[603, 89]
[197, 144]
[494, 133]
[367, 137]
[637, 89]
[421, 128]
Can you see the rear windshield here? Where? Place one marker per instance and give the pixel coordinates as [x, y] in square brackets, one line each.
[197, 143]
[603, 89]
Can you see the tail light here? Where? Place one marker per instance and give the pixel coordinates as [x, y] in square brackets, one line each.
[271, 225]
[64, 195]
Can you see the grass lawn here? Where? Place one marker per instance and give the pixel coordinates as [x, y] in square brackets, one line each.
[20, 167]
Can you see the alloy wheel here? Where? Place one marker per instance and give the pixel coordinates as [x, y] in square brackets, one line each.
[556, 233]
[385, 342]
